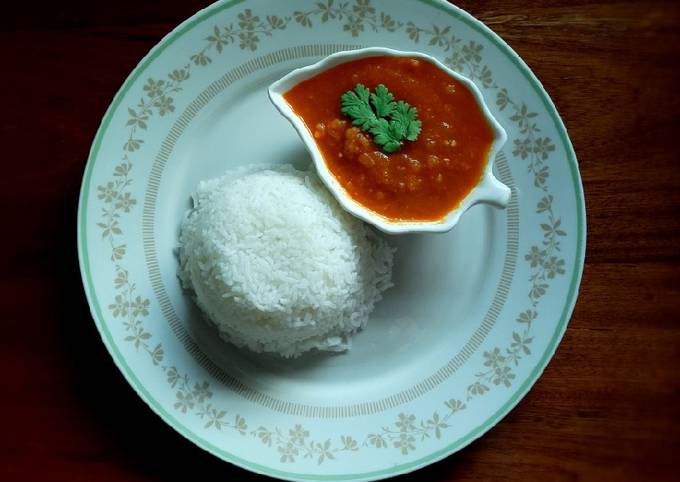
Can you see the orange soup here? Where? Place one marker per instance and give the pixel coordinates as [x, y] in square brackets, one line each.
[426, 178]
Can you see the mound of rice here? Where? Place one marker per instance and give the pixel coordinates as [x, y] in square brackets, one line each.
[277, 265]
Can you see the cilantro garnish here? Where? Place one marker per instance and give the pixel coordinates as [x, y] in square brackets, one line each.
[389, 121]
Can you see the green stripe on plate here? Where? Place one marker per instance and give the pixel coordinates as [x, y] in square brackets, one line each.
[118, 359]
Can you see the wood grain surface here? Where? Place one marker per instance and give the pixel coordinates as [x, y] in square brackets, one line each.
[606, 408]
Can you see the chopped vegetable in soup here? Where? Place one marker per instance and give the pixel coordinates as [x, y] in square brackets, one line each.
[400, 135]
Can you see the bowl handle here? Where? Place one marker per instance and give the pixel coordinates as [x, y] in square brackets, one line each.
[494, 192]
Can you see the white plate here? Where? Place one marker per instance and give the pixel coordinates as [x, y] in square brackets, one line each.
[475, 315]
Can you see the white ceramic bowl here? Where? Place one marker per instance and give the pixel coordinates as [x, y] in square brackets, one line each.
[488, 190]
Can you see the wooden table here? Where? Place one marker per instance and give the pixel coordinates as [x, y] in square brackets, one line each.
[607, 407]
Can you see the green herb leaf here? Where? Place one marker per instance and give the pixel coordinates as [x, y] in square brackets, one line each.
[383, 135]
[383, 101]
[406, 117]
[355, 105]
[388, 121]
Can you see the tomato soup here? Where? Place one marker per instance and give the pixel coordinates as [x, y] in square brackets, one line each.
[426, 178]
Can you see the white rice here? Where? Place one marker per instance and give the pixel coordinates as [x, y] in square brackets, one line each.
[277, 265]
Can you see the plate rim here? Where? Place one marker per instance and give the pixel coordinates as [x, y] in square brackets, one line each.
[434, 456]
